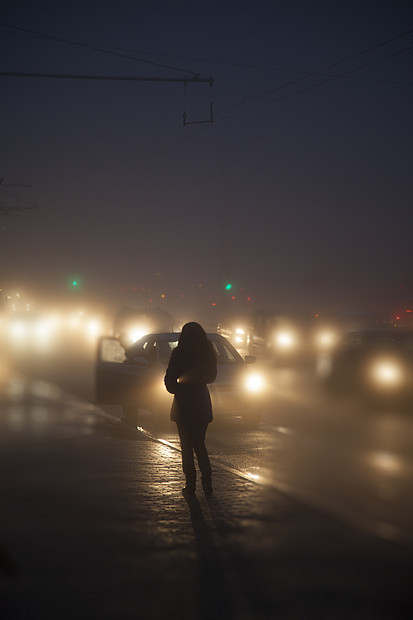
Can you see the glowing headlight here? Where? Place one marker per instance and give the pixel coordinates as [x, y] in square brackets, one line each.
[137, 331]
[254, 383]
[93, 328]
[18, 330]
[387, 373]
[41, 330]
[326, 339]
[239, 335]
[285, 340]
[73, 322]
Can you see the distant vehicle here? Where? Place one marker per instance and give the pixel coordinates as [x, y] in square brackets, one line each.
[134, 377]
[22, 332]
[236, 330]
[133, 323]
[284, 337]
[373, 363]
[298, 337]
[351, 321]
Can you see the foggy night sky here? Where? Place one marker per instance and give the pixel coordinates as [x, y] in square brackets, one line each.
[316, 178]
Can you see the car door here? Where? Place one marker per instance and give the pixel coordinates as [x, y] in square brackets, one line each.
[120, 380]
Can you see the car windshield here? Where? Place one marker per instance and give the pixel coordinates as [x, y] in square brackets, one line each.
[224, 351]
[165, 349]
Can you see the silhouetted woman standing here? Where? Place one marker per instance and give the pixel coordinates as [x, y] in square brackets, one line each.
[192, 365]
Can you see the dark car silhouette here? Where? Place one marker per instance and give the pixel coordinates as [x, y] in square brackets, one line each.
[376, 363]
[134, 377]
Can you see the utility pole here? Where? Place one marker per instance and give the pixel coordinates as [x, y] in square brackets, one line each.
[224, 232]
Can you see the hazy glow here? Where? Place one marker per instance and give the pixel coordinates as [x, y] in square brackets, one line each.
[386, 462]
[42, 329]
[254, 383]
[286, 340]
[253, 476]
[26, 332]
[18, 330]
[74, 322]
[138, 331]
[93, 328]
[387, 373]
[326, 339]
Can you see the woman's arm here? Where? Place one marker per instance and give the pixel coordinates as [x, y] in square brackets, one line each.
[211, 373]
[172, 375]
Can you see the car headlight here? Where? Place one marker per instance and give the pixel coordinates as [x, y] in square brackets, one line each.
[387, 373]
[18, 331]
[254, 383]
[285, 340]
[137, 331]
[93, 328]
[238, 335]
[41, 330]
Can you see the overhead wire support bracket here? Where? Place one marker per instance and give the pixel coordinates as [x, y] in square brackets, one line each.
[209, 120]
[119, 78]
[131, 78]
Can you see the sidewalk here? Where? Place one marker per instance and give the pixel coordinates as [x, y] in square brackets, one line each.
[94, 525]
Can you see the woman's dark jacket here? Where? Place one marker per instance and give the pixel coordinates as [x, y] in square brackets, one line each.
[186, 377]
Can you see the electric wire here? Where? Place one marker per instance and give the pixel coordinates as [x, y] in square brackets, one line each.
[266, 68]
[119, 78]
[95, 48]
[121, 52]
[328, 79]
[292, 83]
[223, 113]
[300, 72]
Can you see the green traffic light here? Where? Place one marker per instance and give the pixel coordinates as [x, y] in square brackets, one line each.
[74, 283]
[228, 286]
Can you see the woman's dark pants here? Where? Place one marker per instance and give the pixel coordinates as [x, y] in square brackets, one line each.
[192, 437]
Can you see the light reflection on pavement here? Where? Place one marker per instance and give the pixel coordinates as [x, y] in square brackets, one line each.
[338, 457]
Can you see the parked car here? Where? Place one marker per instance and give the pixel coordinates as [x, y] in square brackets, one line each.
[134, 377]
[374, 363]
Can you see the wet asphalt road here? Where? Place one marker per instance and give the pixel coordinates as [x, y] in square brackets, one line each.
[353, 462]
[336, 542]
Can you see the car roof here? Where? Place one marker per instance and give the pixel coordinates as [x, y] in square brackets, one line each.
[175, 336]
[395, 333]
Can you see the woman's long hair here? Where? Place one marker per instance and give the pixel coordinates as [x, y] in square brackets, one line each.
[193, 340]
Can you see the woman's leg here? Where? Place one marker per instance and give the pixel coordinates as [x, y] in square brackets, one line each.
[188, 465]
[202, 456]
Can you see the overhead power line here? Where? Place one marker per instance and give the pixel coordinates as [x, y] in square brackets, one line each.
[95, 48]
[319, 72]
[127, 78]
[265, 67]
[185, 80]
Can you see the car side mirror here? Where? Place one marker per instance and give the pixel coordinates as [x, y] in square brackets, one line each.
[250, 359]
